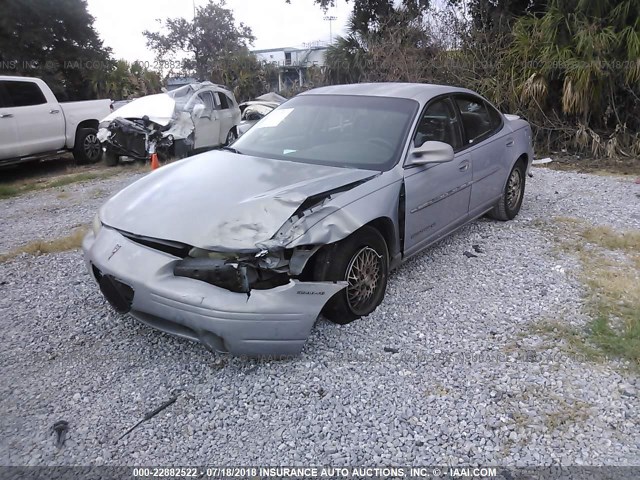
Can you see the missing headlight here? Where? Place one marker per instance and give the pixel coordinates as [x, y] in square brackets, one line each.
[239, 278]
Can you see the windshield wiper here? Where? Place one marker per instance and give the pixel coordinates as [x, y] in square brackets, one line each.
[231, 149]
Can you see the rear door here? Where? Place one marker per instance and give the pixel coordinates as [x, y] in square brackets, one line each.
[486, 142]
[207, 126]
[436, 196]
[8, 128]
[41, 125]
[227, 110]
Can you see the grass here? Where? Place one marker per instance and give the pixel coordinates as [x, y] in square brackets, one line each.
[18, 188]
[566, 412]
[41, 247]
[611, 273]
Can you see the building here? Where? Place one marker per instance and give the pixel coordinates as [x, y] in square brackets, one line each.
[293, 63]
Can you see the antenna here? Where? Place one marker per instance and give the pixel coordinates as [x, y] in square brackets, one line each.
[330, 19]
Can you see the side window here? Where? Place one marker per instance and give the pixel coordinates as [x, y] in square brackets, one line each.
[216, 100]
[224, 105]
[24, 94]
[229, 101]
[207, 99]
[478, 119]
[438, 123]
[4, 101]
[495, 117]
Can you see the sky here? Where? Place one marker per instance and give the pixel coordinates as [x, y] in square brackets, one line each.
[274, 23]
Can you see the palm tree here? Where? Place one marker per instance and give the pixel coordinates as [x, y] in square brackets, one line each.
[347, 59]
[588, 48]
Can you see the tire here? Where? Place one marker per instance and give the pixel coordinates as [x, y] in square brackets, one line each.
[111, 159]
[511, 200]
[232, 136]
[334, 263]
[87, 148]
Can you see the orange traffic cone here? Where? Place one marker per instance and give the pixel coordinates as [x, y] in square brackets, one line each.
[155, 164]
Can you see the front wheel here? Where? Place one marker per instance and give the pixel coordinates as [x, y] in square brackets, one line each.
[362, 260]
[511, 201]
[87, 148]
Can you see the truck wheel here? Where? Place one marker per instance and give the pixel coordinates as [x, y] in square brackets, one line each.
[111, 159]
[87, 148]
[362, 260]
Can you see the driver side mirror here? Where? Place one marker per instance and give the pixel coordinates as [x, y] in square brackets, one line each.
[431, 152]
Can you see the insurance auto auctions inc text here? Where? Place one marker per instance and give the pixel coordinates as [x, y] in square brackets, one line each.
[375, 472]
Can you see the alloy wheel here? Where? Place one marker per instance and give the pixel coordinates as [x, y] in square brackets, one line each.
[514, 189]
[363, 274]
[91, 147]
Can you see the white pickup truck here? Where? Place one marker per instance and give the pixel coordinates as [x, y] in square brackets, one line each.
[33, 124]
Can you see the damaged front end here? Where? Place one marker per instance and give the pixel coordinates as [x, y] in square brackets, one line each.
[242, 273]
[137, 138]
[272, 264]
[148, 125]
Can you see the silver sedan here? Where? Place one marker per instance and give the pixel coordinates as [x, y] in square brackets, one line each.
[242, 248]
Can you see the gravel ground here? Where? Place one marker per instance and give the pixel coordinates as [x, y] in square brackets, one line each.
[469, 382]
[55, 212]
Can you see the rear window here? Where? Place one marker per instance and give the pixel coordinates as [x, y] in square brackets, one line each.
[23, 94]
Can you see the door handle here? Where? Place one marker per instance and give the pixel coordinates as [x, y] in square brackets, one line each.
[509, 143]
[463, 166]
[54, 111]
[6, 115]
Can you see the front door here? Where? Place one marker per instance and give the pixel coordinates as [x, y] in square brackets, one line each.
[40, 125]
[436, 196]
[8, 129]
[207, 129]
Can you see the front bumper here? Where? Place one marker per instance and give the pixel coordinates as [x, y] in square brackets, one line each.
[266, 322]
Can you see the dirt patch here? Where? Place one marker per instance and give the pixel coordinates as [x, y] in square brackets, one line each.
[604, 166]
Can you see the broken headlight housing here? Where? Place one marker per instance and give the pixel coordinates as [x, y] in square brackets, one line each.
[234, 272]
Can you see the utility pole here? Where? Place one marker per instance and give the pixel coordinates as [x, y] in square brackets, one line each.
[330, 19]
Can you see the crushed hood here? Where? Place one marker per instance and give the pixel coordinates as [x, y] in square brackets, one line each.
[159, 108]
[220, 200]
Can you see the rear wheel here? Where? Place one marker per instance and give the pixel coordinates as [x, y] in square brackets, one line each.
[511, 201]
[87, 148]
[231, 136]
[362, 260]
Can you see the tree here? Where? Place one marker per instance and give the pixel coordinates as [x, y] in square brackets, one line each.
[498, 14]
[582, 59]
[210, 38]
[55, 41]
[368, 14]
[347, 60]
[130, 81]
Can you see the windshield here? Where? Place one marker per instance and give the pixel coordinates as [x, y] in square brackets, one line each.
[337, 130]
[181, 96]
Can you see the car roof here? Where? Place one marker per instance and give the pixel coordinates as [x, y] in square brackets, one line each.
[260, 102]
[415, 91]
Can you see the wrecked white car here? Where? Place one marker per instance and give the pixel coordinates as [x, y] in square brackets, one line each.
[242, 248]
[253, 112]
[174, 124]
